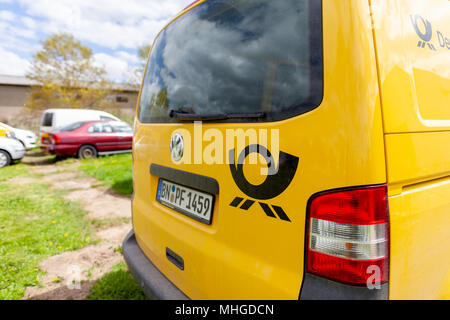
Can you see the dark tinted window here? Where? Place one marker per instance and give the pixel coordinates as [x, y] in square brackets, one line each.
[47, 120]
[237, 57]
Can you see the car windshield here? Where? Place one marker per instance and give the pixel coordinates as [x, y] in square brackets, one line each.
[72, 126]
[236, 57]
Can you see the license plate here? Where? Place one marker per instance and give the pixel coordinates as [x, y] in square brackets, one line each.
[192, 203]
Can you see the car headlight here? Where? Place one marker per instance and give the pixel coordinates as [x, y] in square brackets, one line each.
[11, 135]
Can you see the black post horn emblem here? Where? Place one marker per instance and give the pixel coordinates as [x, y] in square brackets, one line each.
[277, 180]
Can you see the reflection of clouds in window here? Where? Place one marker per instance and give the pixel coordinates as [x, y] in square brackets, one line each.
[252, 57]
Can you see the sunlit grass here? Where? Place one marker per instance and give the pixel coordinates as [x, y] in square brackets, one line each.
[35, 223]
[117, 285]
[115, 171]
[14, 170]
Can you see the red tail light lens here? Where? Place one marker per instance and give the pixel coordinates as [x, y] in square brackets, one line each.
[55, 139]
[348, 236]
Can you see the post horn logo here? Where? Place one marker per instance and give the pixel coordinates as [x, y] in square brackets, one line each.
[277, 180]
[418, 20]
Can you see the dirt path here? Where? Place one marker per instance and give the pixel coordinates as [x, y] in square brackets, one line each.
[76, 271]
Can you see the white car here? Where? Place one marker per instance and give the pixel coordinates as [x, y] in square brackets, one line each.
[10, 150]
[53, 119]
[26, 137]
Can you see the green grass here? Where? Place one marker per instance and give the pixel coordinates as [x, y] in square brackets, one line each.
[28, 234]
[114, 171]
[116, 285]
[35, 223]
[13, 171]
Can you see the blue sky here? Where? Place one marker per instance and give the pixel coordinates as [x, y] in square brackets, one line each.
[113, 29]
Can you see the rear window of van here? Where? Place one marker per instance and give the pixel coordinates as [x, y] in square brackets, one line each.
[47, 119]
[237, 57]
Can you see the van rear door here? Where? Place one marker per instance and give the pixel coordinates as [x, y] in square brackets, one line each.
[248, 109]
[47, 121]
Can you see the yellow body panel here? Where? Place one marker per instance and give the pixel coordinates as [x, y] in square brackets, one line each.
[413, 79]
[415, 87]
[384, 118]
[249, 255]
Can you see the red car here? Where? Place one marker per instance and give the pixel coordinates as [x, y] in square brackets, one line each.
[89, 139]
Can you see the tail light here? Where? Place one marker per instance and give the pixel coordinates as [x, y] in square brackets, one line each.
[349, 236]
[55, 139]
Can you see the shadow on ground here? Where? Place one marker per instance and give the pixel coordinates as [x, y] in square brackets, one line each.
[64, 293]
[123, 187]
[37, 158]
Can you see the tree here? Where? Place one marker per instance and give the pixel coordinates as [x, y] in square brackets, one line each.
[66, 76]
[143, 54]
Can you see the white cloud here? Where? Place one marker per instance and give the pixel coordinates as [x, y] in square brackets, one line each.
[115, 67]
[131, 58]
[12, 64]
[109, 23]
[7, 15]
[117, 27]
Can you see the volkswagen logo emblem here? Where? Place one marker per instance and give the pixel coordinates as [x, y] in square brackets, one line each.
[177, 147]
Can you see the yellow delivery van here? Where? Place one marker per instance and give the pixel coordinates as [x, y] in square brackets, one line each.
[295, 149]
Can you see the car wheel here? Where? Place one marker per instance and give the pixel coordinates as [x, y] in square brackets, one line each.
[5, 159]
[87, 152]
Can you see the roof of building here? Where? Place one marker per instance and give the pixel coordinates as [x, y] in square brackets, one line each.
[25, 82]
[15, 80]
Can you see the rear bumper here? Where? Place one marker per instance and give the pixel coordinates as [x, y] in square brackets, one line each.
[317, 288]
[154, 284]
[59, 149]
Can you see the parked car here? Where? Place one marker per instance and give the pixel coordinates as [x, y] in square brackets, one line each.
[89, 139]
[10, 150]
[54, 119]
[26, 137]
[5, 132]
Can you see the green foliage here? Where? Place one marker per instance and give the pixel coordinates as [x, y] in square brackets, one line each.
[66, 76]
[35, 223]
[115, 171]
[117, 285]
[144, 52]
